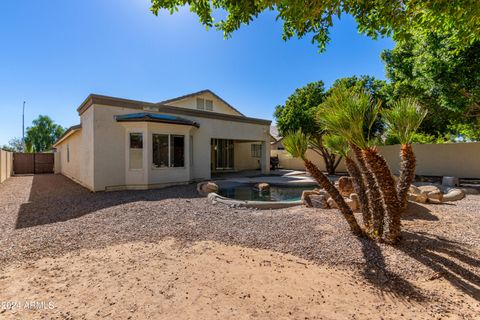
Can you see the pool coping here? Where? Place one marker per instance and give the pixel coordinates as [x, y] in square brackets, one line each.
[214, 198]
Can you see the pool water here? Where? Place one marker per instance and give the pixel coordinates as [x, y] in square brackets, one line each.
[276, 193]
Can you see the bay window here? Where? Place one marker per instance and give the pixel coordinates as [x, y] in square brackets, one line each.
[136, 151]
[168, 150]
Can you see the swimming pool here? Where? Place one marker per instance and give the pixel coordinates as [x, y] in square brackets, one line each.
[243, 191]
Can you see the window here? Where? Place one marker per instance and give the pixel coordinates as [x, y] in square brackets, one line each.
[68, 153]
[209, 105]
[168, 150]
[204, 104]
[160, 150]
[200, 104]
[136, 151]
[177, 151]
[191, 150]
[256, 150]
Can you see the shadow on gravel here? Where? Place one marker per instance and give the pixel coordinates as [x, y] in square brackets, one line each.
[447, 258]
[55, 198]
[416, 211]
[376, 273]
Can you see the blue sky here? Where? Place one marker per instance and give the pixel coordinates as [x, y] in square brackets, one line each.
[55, 52]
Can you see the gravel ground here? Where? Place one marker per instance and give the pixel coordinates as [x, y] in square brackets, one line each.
[49, 216]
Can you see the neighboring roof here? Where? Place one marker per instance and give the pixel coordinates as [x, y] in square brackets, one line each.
[140, 105]
[199, 93]
[274, 132]
[155, 117]
[68, 133]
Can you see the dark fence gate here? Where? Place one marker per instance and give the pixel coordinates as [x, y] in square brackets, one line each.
[32, 163]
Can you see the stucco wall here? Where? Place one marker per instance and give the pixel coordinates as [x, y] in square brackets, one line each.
[191, 103]
[110, 146]
[453, 159]
[291, 163]
[80, 143]
[243, 156]
[450, 159]
[6, 165]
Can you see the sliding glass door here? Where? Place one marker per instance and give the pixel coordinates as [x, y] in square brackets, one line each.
[222, 154]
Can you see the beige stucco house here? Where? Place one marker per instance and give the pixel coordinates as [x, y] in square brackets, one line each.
[127, 144]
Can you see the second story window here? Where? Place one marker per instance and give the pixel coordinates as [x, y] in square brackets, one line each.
[204, 104]
[200, 104]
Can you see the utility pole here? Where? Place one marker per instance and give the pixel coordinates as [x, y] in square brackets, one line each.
[23, 126]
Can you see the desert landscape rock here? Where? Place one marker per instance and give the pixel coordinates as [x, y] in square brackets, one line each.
[345, 186]
[262, 187]
[454, 195]
[207, 187]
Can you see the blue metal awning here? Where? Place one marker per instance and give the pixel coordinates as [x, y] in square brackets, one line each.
[155, 117]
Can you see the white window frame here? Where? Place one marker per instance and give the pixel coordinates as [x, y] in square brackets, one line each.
[130, 148]
[169, 151]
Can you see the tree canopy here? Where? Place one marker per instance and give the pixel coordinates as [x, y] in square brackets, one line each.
[42, 134]
[14, 145]
[397, 18]
[445, 81]
[299, 110]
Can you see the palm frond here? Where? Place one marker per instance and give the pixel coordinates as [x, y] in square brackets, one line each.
[404, 118]
[350, 115]
[336, 144]
[296, 143]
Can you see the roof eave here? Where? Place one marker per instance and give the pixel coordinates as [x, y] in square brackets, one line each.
[67, 134]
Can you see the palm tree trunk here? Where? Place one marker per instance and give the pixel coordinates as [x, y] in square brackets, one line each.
[359, 186]
[407, 174]
[375, 201]
[336, 196]
[384, 178]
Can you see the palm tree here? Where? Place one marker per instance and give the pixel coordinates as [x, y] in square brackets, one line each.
[338, 145]
[296, 143]
[351, 115]
[402, 121]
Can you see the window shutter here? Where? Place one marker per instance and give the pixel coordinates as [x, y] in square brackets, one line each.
[200, 104]
[209, 105]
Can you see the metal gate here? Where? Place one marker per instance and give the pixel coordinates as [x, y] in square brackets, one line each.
[33, 163]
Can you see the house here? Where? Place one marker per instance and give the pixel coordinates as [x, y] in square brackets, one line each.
[126, 144]
[277, 140]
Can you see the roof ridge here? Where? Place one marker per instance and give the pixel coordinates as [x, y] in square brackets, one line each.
[200, 92]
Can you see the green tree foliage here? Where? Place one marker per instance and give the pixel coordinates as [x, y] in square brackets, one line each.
[299, 113]
[444, 79]
[397, 18]
[14, 145]
[299, 110]
[42, 134]
[378, 90]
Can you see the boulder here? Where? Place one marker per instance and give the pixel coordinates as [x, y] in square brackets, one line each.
[420, 198]
[324, 193]
[352, 203]
[331, 203]
[306, 197]
[433, 193]
[262, 186]
[345, 186]
[354, 197]
[414, 190]
[454, 195]
[435, 196]
[207, 187]
[319, 201]
[428, 188]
